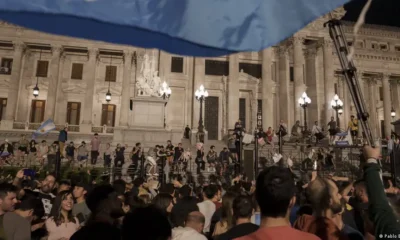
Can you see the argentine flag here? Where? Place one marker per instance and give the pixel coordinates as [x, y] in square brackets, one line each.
[45, 128]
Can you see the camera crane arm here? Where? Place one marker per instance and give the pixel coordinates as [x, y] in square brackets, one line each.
[349, 71]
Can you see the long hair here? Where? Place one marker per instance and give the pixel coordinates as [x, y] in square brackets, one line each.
[56, 209]
[162, 201]
[226, 215]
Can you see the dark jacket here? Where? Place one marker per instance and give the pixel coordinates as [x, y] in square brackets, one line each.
[379, 210]
[63, 136]
[10, 148]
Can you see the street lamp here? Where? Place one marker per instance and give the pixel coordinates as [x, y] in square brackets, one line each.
[304, 101]
[165, 91]
[337, 105]
[36, 88]
[201, 95]
[393, 113]
[108, 94]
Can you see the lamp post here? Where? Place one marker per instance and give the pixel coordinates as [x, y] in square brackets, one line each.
[392, 113]
[304, 101]
[337, 105]
[201, 95]
[36, 88]
[165, 93]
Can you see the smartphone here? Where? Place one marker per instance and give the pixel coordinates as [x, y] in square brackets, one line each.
[257, 219]
[29, 172]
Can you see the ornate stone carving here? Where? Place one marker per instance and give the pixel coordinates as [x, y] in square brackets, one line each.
[310, 53]
[281, 51]
[297, 40]
[128, 54]
[19, 46]
[57, 50]
[74, 88]
[148, 83]
[93, 53]
[4, 83]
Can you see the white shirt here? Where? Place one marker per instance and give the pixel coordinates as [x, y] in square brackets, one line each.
[185, 233]
[316, 129]
[207, 208]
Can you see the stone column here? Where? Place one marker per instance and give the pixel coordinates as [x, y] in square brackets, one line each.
[298, 63]
[312, 87]
[53, 82]
[395, 98]
[126, 85]
[266, 89]
[233, 90]
[329, 85]
[13, 87]
[86, 125]
[60, 106]
[199, 76]
[284, 85]
[387, 104]
[373, 119]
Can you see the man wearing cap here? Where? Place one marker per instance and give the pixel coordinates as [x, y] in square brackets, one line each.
[80, 209]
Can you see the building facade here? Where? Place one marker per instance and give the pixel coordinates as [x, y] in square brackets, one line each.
[260, 88]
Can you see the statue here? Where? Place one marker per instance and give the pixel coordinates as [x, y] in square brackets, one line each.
[148, 82]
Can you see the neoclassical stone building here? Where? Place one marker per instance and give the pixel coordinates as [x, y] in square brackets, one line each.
[74, 75]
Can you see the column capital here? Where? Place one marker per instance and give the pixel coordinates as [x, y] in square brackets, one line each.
[384, 76]
[57, 50]
[297, 40]
[128, 55]
[282, 51]
[310, 53]
[93, 53]
[19, 46]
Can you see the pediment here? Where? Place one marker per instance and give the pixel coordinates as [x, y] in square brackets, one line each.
[4, 83]
[43, 86]
[245, 77]
[74, 88]
[114, 91]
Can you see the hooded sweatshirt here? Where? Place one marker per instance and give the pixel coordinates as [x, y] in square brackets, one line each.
[184, 233]
[321, 226]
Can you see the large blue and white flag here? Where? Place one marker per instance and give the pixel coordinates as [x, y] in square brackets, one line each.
[46, 127]
[186, 27]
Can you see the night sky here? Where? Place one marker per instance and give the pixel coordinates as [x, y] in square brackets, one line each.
[382, 12]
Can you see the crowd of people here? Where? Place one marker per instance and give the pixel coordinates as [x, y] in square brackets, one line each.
[275, 206]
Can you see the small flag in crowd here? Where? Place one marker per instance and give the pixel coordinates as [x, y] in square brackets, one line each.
[46, 127]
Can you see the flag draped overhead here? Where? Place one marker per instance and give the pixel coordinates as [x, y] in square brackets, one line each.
[186, 27]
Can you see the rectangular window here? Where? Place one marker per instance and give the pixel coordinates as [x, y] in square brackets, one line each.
[291, 73]
[397, 48]
[381, 93]
[252, 69]
[42, 68]
[111, 74]
[73, 113]
[108, 115]
[77, 71]
[217, 68]
[37, 111]
[3, 105]
[6, 66]
[177, 64]
[242, 111]
[336, 89]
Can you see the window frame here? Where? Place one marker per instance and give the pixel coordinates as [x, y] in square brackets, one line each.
[33, 112]
[69, 110]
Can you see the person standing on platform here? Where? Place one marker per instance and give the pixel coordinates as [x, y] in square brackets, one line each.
[62, 138]
[332, 130]
[95, 145]
[353, 127]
